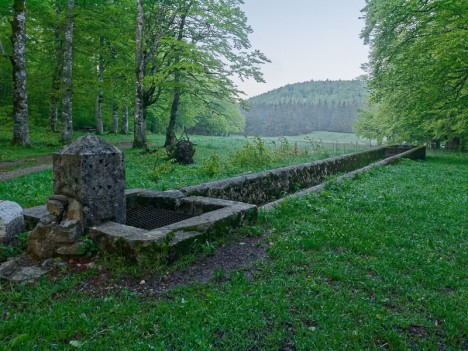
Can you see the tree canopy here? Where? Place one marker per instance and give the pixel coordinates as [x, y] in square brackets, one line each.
[417, 71]
[190, 51]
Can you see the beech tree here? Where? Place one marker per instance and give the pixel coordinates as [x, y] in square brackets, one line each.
[57, 71]
[124, 127]
[190, 47]
[170, 133]
[18, 63]
[212, 45]
[99, 97]
[103, 59]
[418, 70]
[139, 134]
[67, 86]
[186, 52]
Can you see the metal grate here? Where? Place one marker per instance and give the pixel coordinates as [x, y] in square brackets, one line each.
[150, 218]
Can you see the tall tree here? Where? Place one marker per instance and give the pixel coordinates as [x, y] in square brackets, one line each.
[124, 129]
[418, 69]
[103, 38]
[212, 46]
[171, 129]
[18, 62]
[99, 97]
[139, 134]
[115, 118]
[67, 86]
[57, 75]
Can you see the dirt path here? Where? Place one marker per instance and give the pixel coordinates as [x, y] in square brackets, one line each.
[39, 164]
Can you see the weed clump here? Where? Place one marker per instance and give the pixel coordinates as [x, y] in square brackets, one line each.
[258, 152]
[212, 166]
[163, 165]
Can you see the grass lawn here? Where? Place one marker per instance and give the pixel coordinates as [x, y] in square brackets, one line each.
[45, 143]
[379, 262]
[331, 137]
[213, 160]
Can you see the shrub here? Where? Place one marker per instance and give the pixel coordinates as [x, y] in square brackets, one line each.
[162, 165]
[211, 166]
[317, 147]
[253, 154]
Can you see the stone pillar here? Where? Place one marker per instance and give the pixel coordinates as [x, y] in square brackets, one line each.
[92, 172]
[89, 188]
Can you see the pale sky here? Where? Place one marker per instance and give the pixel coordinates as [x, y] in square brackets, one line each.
[305, 40]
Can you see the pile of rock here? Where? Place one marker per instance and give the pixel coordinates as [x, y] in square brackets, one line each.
[89, 188]
[58, 232]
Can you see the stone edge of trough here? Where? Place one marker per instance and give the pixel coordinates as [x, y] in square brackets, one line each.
[415, 153]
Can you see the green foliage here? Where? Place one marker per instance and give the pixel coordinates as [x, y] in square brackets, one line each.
[313, 92]
[255, 152]
[317, 147]
[211, 166]
[369, 126]
[262, 152]
[88, 247]
[104, 35]
[218, 117]
[423, 104]
[163, 165]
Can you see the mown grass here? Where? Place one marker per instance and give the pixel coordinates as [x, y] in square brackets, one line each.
[375, 263]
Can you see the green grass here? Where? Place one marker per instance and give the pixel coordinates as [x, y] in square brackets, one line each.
[44, 143]
[330, 137]
[379, 262]
[143, 170]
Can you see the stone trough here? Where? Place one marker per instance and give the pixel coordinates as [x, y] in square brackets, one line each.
[151, 225]
[89, 199]
[163, 225]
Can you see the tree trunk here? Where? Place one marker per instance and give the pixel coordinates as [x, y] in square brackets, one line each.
[99, 97]
[139, 131]
[124, 120]
[18, 61]
[67, 87]
[55, 88]
[115, 118]
[171, 128]
[453, 144]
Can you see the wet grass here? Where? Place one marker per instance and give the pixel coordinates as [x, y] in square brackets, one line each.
[150, 171]
[379, 262]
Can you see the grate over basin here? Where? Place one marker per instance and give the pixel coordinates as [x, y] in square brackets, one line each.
[150, 218]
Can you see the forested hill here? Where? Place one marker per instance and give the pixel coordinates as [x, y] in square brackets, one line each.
[304, 107]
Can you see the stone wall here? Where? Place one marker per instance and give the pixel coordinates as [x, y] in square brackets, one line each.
[264, 187]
